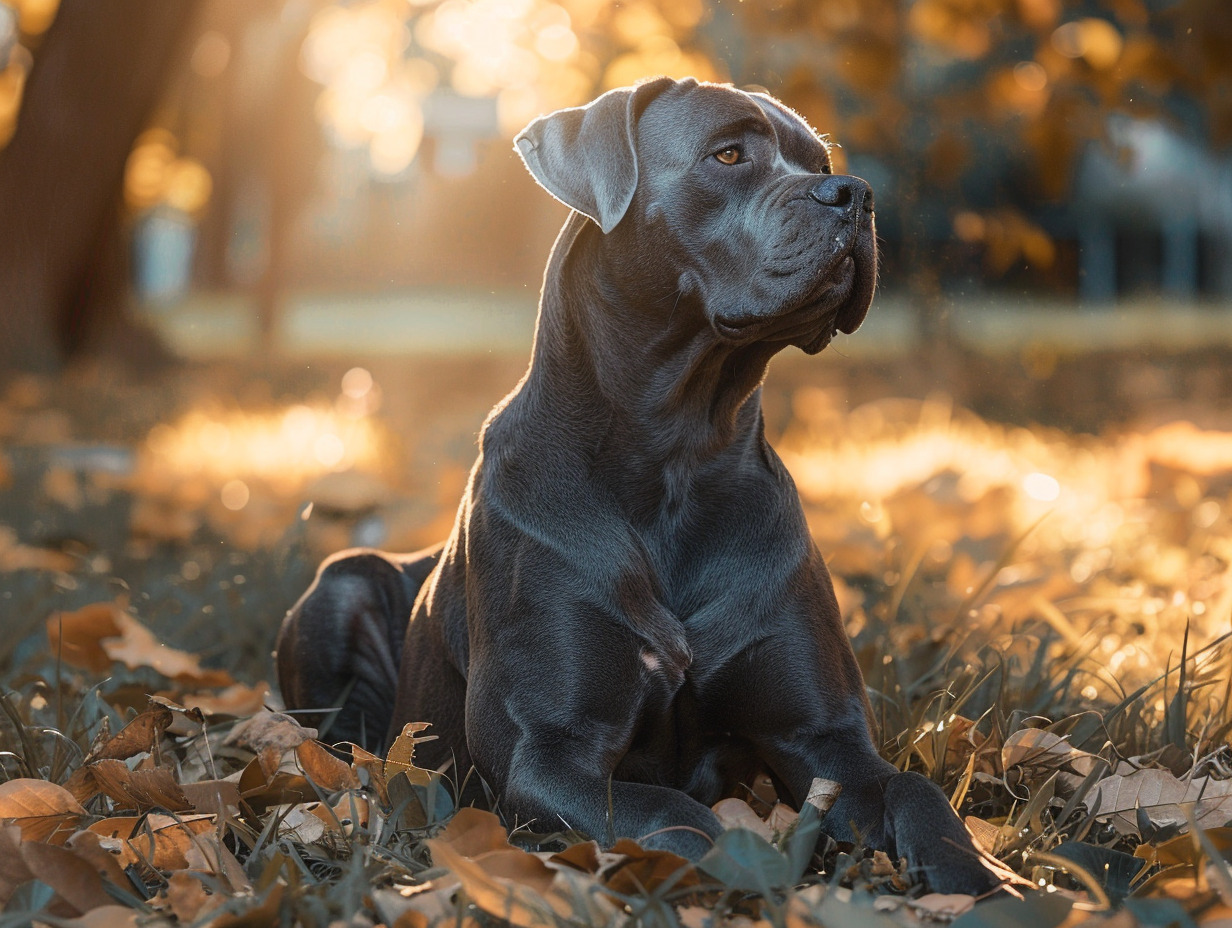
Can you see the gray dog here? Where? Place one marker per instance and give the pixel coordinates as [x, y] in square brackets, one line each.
[630, 607]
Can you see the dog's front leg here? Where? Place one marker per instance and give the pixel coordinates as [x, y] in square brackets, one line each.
[550, 790]
[549, 725]
[901, 812]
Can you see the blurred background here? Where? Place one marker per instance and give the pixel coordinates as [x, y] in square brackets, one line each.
[334, 175]
[265, 265]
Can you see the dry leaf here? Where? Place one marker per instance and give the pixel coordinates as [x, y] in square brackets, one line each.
[260, 788]
[141, 734]
[401, 755]
[639, 871]
[472, 832]
[77, 637]
[1158, 793]
[161, 840]
[417, 906]
[219, 798]
[299, 823]
[986, 835]
[822, 794]
[74, 879]
[508, 884]
[375, 766]
[13, 869]
[736, 813]
[582, 856]
[187, 897]
[324, 769]
[208, 855]
[1039, 749]
[96, 635]
[41, 810]
[139, 789]
[89, 846]
[782, 817]
[270, 730]
[238, 699]
[106, 916]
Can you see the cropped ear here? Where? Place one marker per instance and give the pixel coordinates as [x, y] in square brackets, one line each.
[586, 156]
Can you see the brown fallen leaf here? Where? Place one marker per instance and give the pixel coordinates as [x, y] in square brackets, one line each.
[89, 847]
[74, 879]
[1159, 794]
[472, 832]
[987, 835]
[509, 884]
[43, 811]
[782, 817]
[401, 755]
[1037, 747]
[640, 871]
[270, 730]
[13, 869]
[822, 794]
[99, 634]
[238, 699]
[186, 895]
[584, 856]
[736, 813]
[161, 840]
[373, 765]
[219, 798]
[77, 636]
[324, 769]
[139, 735]
[260, 788]
[209, 855]
[418, 906]
[154, 788]
[106, 916]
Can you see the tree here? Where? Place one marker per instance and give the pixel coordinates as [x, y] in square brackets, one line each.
[98, 72]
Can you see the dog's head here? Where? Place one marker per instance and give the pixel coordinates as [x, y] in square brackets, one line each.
[730, 193]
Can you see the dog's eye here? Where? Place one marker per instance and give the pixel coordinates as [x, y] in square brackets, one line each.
[729, 155]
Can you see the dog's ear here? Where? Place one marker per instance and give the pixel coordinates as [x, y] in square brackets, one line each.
[586, 156]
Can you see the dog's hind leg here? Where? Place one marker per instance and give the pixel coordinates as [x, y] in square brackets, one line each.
[339, 647]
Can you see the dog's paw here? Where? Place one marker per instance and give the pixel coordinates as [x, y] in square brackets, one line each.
[935, 842]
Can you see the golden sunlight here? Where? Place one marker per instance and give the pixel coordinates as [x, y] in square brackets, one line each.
[1111, 542]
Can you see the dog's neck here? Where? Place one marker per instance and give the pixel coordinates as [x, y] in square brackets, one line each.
[646, 364]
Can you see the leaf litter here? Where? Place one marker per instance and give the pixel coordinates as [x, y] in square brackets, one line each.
[1041, 619]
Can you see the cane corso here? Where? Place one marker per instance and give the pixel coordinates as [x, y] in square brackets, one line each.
[630, 615]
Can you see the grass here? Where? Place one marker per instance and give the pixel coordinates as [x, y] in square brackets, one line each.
[1042, 619]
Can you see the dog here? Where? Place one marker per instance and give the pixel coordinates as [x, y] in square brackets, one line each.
[630, 616]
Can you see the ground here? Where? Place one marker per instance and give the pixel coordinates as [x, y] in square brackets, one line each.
[1035, 564]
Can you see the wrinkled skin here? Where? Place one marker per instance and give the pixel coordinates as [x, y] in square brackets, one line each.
[630, 604]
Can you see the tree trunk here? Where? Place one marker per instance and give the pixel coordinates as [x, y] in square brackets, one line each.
[98, 73]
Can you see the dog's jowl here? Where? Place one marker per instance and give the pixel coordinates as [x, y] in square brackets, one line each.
[630, 604]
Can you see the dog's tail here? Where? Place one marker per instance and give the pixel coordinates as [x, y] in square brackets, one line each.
[340, 646]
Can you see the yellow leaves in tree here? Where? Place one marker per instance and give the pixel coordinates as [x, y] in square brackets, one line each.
[1008, 237]
[962, 28]
[1096, 40]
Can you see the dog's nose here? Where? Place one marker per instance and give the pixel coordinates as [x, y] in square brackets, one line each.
[844, 192]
